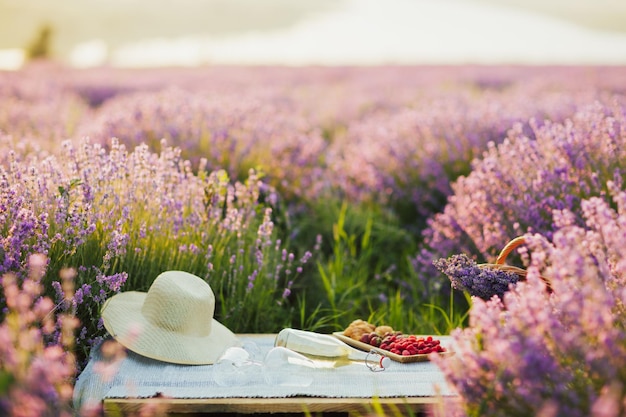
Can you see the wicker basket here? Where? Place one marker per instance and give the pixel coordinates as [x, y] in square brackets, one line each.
[500, 265]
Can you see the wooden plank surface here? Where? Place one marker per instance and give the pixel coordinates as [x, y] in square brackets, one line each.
[115, 407]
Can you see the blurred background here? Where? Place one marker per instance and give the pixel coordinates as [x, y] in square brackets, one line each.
[140, 33]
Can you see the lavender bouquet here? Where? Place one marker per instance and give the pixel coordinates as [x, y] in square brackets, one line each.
[466, 275]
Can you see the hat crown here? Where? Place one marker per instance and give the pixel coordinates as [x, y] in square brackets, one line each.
[180, 302]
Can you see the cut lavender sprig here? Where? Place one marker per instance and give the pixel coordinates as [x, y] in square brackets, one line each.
[466, 275]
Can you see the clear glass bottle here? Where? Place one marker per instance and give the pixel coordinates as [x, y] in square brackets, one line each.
[320, 345]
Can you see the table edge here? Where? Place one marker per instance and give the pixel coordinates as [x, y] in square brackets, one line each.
[247, 405]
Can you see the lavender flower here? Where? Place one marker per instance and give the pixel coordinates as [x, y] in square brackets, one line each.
[518, 185]
[36, 375]
[466, 275]
[120, 216]
[390, 139]
[562, 352]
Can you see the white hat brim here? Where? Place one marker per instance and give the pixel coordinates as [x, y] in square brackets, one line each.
[122, 318]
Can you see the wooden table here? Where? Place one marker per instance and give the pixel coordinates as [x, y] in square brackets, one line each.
[300, 405]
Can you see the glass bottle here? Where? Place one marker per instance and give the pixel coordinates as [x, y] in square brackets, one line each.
[320, 345]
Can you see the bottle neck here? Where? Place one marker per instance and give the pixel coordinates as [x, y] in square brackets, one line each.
[356, 355]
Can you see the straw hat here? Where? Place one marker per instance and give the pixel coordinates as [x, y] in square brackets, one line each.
[172, 322]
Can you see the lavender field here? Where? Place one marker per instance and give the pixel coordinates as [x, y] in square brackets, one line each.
[311, 196]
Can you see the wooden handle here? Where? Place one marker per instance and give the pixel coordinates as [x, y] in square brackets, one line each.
[518, 241]
[515, 243]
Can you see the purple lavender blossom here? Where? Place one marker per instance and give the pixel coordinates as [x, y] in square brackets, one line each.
[383, 136]
[36, 375]
[113, 282]
[466, 275]
[518, 185]
[563, 352]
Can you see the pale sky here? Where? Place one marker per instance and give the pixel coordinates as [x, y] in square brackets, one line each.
[325, 32]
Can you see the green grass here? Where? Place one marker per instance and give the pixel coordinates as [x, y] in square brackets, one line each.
[358, 276]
